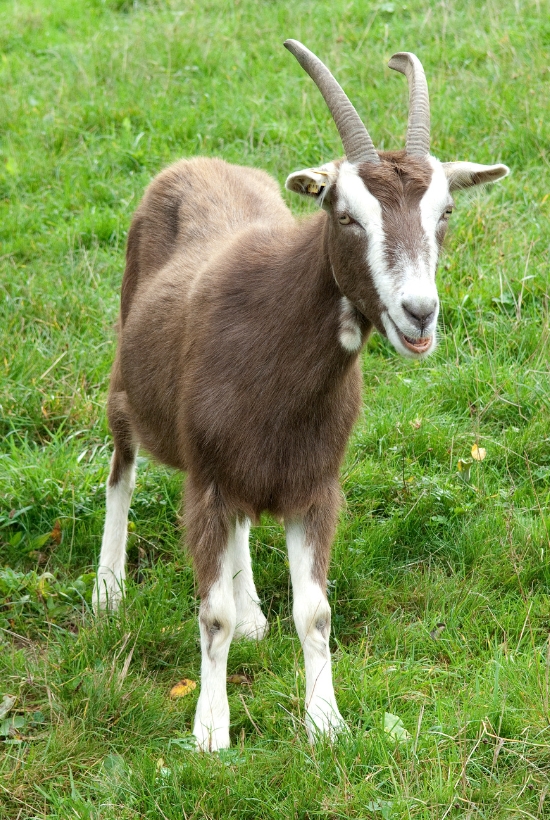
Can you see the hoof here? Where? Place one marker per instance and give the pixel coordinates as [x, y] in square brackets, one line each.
[108, 592]
[323, 720]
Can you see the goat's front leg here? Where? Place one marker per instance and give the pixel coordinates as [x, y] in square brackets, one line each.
[111, 571]
[211, 541]
[217, 624]
[308, 558]
[251, 622]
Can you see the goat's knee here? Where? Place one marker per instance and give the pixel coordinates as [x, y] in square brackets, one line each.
[312, 618]
[217, 626]
[217, 618]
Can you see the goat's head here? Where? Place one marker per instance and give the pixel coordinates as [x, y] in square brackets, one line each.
[388, 211]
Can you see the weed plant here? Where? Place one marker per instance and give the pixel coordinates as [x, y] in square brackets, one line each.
[440, 577]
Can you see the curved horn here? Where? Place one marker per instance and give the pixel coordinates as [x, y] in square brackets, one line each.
[355, 137]
[418, 129]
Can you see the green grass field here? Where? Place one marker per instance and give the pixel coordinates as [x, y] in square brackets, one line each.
[440, 580]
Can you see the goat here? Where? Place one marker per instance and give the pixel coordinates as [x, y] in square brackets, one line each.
[238, 362]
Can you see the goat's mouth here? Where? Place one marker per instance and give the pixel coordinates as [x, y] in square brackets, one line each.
[409, 346]
[416, 345]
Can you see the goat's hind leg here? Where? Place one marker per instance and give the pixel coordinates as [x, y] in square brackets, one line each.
[111, 571]
[251, 622]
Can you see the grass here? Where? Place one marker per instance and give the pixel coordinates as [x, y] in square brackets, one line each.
[440, 587]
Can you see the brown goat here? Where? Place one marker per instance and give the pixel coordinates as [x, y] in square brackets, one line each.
[238, 362]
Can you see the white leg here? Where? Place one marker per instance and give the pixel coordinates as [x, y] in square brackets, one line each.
[251, 622]
[217, 618]
[111, 571]
[312, 618]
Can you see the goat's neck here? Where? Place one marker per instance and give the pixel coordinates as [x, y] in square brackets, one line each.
[318, 293]
[308, 256]
[301, 308]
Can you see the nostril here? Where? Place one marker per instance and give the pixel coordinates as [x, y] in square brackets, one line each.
[421, 311]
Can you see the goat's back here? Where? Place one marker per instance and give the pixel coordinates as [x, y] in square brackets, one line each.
[190, 209]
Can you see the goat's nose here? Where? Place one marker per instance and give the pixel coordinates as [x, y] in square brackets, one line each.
[420, 310]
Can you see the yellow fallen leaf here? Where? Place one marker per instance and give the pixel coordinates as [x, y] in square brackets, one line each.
[478, 453]
[7, 704]
[181, 689]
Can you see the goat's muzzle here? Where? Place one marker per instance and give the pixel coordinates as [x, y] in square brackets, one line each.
[417, 345]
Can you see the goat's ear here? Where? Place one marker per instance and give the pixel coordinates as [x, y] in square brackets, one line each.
[466, 174]
[312, 182]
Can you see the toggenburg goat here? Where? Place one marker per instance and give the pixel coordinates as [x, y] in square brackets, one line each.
[238, 361]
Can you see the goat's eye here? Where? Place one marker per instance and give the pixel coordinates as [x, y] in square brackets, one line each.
[344, 219]
[448, 211]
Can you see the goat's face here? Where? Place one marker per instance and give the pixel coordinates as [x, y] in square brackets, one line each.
[388, 212]
[386, 225]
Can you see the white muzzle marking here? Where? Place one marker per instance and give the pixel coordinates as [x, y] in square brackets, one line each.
[411, 281]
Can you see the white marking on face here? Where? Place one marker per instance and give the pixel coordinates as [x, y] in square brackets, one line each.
[412, 279]
[350, 336]
[367, 212]
[432, 206]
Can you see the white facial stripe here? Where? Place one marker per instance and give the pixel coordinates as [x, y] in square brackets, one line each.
[411, 279]
[367, 211]
[432, 205]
